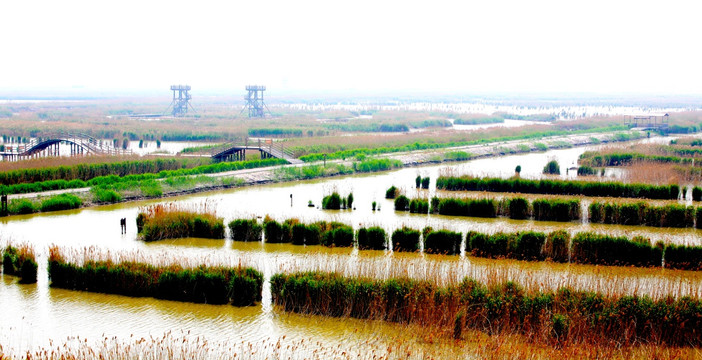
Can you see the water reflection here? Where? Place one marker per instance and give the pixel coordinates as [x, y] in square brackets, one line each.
[34, 314]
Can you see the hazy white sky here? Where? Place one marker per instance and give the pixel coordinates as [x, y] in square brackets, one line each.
[462, 46]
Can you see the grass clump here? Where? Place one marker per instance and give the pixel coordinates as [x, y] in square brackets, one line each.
[457, 156]
[373, 238]
[392, 192]
[21, 262]
[334, 201]
[21, 206]
[442, 242]
[276, 232]
[405, 239]
[419, 206]
[518, 208]
[697, 193]
[60, 202]
[557, 246]
[556, 209]
[168, 221]
[586, 171]
[402, 203]
[245, 230]
[552, 168]
[106, 195]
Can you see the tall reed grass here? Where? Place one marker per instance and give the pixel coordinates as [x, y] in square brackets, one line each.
[551, 317]
[641, 213]
[245, 230]
[558, 187]
[238, 286]
[167, 221]
[20, 261]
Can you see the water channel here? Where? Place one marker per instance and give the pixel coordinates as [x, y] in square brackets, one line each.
[36, 314]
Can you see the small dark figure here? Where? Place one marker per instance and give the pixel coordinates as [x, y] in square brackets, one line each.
[123, 225]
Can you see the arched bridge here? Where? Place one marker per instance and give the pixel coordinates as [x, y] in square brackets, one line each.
[267, 147]
[79, 144]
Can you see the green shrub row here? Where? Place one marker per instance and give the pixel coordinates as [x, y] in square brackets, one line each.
[54, 203]
[86, 172]
[558, 187]
[211, 285]
[586, 170]
[374, 165]
[515, 208]
[560, 316]
[343, 151]
[108, 180]
[583, 248]
[591, 158]
[641, 213]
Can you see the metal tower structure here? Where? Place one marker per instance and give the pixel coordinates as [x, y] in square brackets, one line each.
[254, 101]
[181, 101]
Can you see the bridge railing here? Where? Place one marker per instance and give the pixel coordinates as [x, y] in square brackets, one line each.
[276, 148]
[88, 142]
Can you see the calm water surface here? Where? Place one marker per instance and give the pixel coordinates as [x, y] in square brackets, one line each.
[35, 314]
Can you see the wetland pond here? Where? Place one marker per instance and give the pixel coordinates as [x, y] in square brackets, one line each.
[36, 315]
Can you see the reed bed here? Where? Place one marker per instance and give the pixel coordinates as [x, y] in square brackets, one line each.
[641, 213]
[558, 187]
[556, 317]
[548, 209]
[20, 261]
[203, 284]
[373, 238]
[531, 275]
[245, 230]
[318, 233]
[408, 342]
[171, 220]
[582, 247]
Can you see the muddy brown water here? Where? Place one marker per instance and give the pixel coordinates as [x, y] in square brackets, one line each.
[34, 315]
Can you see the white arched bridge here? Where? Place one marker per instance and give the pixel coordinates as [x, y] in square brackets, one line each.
[48, 145]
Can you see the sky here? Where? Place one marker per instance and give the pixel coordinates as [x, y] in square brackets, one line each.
[358, 46]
